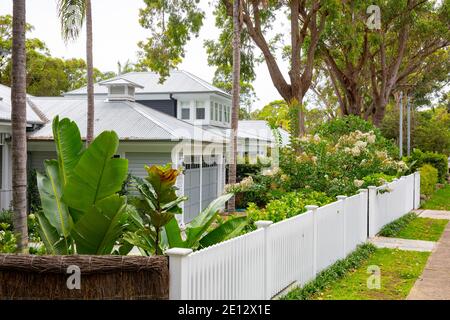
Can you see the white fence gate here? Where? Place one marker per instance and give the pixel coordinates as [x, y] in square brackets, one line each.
[262, 263]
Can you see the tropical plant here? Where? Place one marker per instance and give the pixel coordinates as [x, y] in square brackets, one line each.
[18, 126]
[200, 233]
[81, 210]
[157, 204]
[73, 14]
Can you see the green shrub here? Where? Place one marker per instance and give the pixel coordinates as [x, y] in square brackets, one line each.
[437, 160]
[8, 242]
[6, 216]
[428, 179]
[377, 179]
[290, 205]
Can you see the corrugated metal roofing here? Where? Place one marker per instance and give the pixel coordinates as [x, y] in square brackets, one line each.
[5, 107]
[179, 81]
[130, 120]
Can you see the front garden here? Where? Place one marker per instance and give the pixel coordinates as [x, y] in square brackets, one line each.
[88, 204]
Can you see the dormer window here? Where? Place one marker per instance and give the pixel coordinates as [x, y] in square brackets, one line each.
[120, 89]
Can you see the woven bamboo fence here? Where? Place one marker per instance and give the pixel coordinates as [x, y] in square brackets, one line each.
[101, 277]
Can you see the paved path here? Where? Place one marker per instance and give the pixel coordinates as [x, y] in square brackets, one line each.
[433, 214]
[434, 283]
[403, 244]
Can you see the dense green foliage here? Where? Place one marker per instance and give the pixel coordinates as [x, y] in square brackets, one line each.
[81, 210]
[428, 179]
[289, 205]
[335, 272]
[8, 241]
[430, 129]
[438, 161]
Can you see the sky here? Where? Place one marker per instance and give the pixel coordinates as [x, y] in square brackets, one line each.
[116, 34]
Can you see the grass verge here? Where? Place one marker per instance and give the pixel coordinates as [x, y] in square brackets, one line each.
[412, 227]
[398, 273]
[330, 275]
[440, 200]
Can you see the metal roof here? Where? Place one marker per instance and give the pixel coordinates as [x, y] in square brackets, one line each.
[179, 81]
[120, 81]
[130, 120]
[5, 107]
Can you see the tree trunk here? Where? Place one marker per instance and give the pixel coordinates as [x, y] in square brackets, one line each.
[235, 98]
[90, 74]
[380, 110]
[19, 122]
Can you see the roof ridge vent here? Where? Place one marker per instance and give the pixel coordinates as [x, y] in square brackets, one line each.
[120, 89]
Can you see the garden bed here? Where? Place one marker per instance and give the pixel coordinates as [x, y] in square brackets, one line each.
[102, 277]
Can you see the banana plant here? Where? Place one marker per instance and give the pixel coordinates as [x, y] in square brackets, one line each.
[157, 203]
[82, 212]
[199, 233]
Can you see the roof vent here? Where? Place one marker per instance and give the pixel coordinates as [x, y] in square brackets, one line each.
[120, 89]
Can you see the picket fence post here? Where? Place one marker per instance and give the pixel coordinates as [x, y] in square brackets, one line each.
[342, 210]
[372, 230]
[314, 208]
[263, 224]
[178, 273]
[416, 190]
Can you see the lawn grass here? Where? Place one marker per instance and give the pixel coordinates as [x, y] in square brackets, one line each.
[398, 269]
[412, 227]
[331, 274]
[440, 200]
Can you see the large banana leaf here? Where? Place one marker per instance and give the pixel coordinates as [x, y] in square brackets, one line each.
[230, 229]
[50, 191]
[173, 233]
[100, 227]
[52, 240]
[69, 146]
[97, 174]
[198, 226]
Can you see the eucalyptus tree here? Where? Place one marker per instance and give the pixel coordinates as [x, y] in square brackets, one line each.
[73, 14]
[19, 124]
[366, 66]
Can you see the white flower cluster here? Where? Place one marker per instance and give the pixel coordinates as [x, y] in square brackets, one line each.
[356, 142]
[271, 172]
[242, 186]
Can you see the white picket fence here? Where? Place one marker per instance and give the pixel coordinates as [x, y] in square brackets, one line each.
[262, 263]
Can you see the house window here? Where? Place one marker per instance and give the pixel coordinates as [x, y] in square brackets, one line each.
[118, 90]
[211, 110]
[220, 112]
[200, 113]
[200, 110]
[185, 114]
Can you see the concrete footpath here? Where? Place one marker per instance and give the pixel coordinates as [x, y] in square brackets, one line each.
[434, 283]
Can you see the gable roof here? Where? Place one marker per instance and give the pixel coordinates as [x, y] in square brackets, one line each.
[130, 120]
[119, 81]
[179, 81]
[34, 116]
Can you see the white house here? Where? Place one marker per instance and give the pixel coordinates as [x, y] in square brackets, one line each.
[184, 121]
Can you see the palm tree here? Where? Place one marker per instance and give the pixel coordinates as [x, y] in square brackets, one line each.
[73, 14]
[19, 123]
[235, 98]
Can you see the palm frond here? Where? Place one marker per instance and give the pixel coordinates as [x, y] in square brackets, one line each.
[71, 14]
